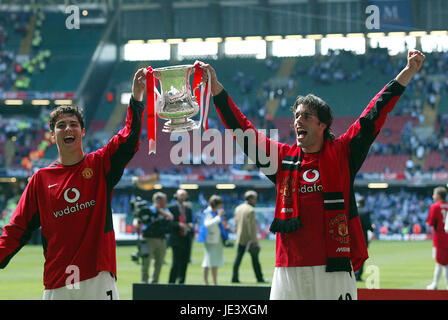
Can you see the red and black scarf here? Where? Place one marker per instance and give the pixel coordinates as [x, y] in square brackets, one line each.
[287, 217]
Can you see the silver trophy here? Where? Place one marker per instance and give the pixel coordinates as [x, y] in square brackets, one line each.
[175, 101]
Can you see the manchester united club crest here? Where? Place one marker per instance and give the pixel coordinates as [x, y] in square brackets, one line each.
[87, 173]
[338, 228]
[287, 189]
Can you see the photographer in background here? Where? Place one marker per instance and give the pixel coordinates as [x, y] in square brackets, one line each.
[154, 223]
[139, 207]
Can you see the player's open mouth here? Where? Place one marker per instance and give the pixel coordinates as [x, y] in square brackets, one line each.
[301, 133]
[69, 139]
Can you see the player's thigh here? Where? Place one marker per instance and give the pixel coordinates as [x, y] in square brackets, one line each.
[340, 285]
[292, 283]
[101, 287]
[442, 256]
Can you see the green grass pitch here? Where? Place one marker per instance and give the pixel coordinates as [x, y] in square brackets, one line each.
[401, 265]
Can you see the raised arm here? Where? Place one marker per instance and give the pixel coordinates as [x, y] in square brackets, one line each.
[229, 113]
[361, 134]
[415, 61]
[260, 149]
[123, 145]
[209, 220]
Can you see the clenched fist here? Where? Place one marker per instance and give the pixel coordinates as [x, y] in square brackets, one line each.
[415, 60]
[139, 85]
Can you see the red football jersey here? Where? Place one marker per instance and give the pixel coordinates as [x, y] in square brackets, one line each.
[72, 204]
[310, 247]
[436, 219]
[295, 249]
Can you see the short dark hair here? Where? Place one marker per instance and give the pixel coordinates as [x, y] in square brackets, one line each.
[74, 110]
[322, 109]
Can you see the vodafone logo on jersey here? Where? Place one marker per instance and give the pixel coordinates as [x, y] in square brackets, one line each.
[72, 195]
[310, 176]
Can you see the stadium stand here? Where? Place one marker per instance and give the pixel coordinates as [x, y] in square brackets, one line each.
[413, 139]
[385, 163]
[244, 80]
[436, 161]
[413, 144]
[13, 28]
[21, 132]
[252, 83]
[71, 51]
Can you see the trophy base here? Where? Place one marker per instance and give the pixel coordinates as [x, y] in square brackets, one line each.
[179, 125]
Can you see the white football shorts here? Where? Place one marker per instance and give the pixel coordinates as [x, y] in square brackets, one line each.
[101, 287]
[312, 283]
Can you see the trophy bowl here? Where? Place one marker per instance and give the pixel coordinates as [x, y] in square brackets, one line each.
[175, 100]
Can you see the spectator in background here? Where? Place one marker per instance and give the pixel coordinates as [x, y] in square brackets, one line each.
[246, 228]
[180, 237]
[213, 234]
[366, 225]
[154, 225]
[436, 219]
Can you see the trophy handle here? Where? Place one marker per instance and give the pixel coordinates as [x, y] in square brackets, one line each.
[205, 104]
[159, 98]
[205, 92]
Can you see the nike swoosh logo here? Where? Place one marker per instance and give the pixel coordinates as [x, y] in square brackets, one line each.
[51, 186]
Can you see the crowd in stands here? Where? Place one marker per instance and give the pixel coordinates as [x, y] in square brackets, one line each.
[15, 70]
[443, 134]
[329, 68]
[402, 211]
[325, 70]
[399, 212]
[18, 136]
[9, 197]
[252, 109]
[8, 75]
[8, 64]
[419, 92]
[426, 86]
[244, 83]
